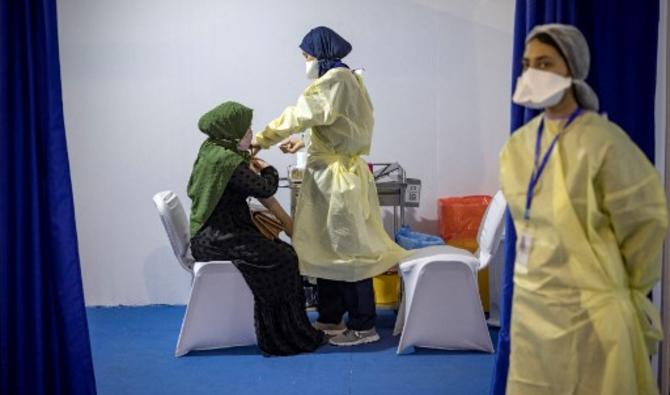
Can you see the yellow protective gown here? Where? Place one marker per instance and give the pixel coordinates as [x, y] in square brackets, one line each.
[581, 322]
[338, 231]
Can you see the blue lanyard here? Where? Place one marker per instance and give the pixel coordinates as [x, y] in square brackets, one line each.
[538, 167]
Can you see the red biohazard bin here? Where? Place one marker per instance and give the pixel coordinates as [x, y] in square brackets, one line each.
[459, 217]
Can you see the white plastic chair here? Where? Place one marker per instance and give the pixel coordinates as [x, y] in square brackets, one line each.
[441, 307]
[220, 310]
[496, 266]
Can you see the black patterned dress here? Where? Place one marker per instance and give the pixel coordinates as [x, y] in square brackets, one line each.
[270, 267]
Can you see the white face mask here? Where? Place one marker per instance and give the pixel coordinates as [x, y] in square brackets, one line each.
[312, 69]
[245, 142]
[540, 89]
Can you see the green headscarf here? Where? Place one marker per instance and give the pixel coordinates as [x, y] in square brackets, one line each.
[218, 157]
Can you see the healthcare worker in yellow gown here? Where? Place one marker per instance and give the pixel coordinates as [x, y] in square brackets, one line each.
[590, 224]
[338, 231]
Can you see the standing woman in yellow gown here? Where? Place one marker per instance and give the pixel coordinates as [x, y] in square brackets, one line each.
[338, 232]
[590, 214]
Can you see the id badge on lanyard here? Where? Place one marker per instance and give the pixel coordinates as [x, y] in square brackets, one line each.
[526, 239]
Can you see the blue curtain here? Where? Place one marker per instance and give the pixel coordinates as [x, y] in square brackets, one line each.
[44, 342]
[623, 38]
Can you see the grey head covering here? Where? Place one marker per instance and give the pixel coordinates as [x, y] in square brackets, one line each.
[574, 47]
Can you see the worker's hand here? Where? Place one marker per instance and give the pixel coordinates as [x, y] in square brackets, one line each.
[254, 147]
[393, 270]
[291, 146]
[258, 164]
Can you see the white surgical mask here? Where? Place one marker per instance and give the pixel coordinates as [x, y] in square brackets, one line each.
[245, 142]
[540, 89]
[312, 69]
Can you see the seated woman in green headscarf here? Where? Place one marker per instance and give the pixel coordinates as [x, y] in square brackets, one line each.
[223, 177]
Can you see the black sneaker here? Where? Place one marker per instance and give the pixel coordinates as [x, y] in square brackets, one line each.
[353, 338]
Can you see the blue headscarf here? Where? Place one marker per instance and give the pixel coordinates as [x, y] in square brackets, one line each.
[327, 47]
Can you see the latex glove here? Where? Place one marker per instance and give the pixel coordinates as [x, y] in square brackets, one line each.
[291, 146]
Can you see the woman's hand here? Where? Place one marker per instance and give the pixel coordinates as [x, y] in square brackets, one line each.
[258, 164]
[291, 146]
[254, 147]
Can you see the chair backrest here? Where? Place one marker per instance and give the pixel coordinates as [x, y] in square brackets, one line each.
[491, 229]
[176, 226]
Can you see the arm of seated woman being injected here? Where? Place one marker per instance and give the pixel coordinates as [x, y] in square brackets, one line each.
[271, 203]
[278, 211]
